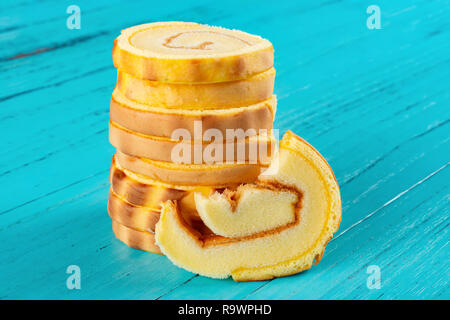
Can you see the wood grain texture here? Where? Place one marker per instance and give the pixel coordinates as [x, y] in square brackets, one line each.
[375, 103]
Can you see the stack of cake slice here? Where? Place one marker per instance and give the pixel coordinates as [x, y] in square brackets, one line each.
[192, 112]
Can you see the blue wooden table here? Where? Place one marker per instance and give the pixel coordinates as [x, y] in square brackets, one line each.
[374, 102]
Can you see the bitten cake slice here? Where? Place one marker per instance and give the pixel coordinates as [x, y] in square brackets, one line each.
[190, 52]
[278, 252]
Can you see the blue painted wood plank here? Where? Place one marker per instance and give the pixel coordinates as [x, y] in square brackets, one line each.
[414, 122]
[27, 212]
[78, 232]
[52, 115]
[81, 48]
[20, 15]
[276, 32]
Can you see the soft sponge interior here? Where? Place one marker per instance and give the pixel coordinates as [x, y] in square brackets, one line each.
[247, 210]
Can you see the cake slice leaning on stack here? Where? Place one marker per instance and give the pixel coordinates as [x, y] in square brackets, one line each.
[298, 207]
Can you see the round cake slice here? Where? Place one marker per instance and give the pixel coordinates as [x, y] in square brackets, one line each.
[163, 122]
[201, 96]
[184, 52]
[254, 149]
[191, 174]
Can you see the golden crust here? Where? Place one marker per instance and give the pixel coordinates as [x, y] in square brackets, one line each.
[141, 240]
[130, 215]
[145, 192]
[200, 65]
[163, 122]
[143, 218]
[294, 143]
[257, 149]
[219, 95]
[198, 175]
